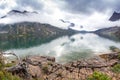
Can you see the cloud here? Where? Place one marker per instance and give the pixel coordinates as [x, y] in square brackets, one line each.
[92, 14]
[71, 6]
[34, 4]
[6, 6]
[89, 6]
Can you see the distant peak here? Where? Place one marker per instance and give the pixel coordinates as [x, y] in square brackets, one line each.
[115, 16]
[17, 11]
[24, 11]
[14, 12]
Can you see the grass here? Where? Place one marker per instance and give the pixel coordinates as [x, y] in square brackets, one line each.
[4, 75]
[98, 76]
[116, 68]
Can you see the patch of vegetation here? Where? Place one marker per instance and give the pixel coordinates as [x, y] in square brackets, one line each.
[116, 68]
[98, 76]
[9, 64]
[50, 63]
[114, 49]
[4, 75]
[119, 55]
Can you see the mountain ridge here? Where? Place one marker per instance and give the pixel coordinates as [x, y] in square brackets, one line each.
[112, 33]
[17, 12]
[34, 27]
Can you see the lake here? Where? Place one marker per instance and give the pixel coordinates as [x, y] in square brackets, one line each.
[64, 48]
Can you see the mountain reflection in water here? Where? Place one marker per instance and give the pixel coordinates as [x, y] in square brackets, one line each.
[64, 49]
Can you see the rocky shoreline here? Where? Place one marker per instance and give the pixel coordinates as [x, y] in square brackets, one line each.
[46, 68]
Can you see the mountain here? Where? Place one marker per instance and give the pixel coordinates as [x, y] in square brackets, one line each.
[34, 28]
[20, 21]
[111, 33]
[27, 34]
[115, 16]
[17, 12]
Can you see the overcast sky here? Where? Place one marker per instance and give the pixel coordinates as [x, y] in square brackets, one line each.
[92, 14]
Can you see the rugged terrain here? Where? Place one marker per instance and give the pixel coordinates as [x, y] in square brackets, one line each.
[45, 68]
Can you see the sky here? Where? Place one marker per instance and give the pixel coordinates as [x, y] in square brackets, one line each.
[91, 14]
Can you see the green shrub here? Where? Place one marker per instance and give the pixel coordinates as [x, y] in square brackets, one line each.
[8, 76]
[2, 64]
[49, 63]
[119, 55]
[114, 49]
[116, 68]
[98, 76]
[9, 64]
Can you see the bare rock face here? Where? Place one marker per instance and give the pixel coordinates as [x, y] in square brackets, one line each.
[47, 69]
[115, 16]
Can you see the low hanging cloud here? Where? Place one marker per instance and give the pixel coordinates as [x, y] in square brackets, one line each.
[92, 14]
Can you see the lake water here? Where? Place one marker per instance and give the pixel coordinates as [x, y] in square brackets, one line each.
[64, 49]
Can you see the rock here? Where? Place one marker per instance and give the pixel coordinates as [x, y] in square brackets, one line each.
[113, 55]
[48, 69]
[20, 69]
[34, 71]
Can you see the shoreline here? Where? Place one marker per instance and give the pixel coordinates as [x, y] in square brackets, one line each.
[46, 68]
